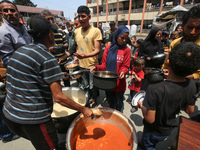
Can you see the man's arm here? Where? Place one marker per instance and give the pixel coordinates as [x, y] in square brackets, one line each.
[149, 115]
[189, 109]
[60, 98]
[94, 53]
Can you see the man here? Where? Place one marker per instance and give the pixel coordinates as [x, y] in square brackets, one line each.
[61, 25]
[110, 33]
[76, 23]
[87, 41]
[67, 24]
[13, 33]
[33, 76]
[100, 28]
[168, 26]
[165, 41]
[191, 33]
[61, 44]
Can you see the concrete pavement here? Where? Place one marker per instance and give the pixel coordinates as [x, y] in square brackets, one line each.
[136, 118]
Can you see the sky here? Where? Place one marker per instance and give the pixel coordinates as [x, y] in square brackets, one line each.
[69, 7]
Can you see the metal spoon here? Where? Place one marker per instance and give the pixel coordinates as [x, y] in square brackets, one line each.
[96, 113]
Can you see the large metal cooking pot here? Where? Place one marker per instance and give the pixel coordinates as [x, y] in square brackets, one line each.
[62, 115]
[110, 116]
[155, 75]
[105, 80]
[158, 60]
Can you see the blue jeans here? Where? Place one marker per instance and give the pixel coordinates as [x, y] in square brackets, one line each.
[88, 82]
[5, 133]
[115, 100]
[149, 140]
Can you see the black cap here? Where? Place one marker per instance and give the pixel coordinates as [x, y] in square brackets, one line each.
[38, 26]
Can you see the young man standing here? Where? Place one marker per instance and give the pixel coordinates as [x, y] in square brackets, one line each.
[87, 41]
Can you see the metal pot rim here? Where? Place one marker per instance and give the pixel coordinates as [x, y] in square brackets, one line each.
[115, 75]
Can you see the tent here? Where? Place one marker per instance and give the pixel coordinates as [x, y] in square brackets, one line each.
[174, 15]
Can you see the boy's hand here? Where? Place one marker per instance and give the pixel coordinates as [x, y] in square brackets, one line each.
[93, 69]
[121, 76]
[133, 73]
[80, 55]
[139, 105]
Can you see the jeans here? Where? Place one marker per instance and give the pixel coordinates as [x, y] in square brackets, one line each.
[149, 139]
[115, 99]
[88, 81]
[5, 133]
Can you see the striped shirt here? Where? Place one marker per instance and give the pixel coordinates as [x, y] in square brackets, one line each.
[30, 71]
[60, 39]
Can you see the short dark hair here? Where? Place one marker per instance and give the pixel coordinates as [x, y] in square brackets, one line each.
[67, 23]
[38, 27]
[6, 1]
[165, 32]
[194, 12]
[70, 26]
[169, 23]
[112, 23]
[139, 41]
[83, 9]
[184, 58]
[46, 12]
[138, 61]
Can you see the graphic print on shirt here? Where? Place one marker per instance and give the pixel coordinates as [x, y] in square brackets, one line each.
[120, 58]
[85, 39]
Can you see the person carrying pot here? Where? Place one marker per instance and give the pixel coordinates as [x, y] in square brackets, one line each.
[116, 58]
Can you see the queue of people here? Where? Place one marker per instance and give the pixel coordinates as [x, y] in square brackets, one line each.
[35, 59]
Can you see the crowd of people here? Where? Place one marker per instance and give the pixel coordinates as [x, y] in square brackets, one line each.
[35, 55]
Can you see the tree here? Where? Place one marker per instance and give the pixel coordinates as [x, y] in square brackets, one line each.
[24, 3]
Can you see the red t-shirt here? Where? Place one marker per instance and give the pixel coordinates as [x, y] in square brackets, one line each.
[123, 64]
[137, 85]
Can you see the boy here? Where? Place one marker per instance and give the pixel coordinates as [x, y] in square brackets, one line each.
[87, 43]
[136, 81]
[163, 101]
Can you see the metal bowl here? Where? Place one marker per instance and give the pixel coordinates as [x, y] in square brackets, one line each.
[76, 74]
[72, 66]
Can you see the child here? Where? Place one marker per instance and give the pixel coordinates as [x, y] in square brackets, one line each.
[163, 101]
[134, 53]
[136, 81]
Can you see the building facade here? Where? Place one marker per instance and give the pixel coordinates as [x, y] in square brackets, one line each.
[124, 12]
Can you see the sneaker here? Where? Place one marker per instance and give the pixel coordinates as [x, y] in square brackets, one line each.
[11, 139]
[133, 109]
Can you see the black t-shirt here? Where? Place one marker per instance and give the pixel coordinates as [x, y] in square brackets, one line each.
[168, 98]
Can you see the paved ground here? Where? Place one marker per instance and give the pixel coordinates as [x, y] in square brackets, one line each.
[136, 118]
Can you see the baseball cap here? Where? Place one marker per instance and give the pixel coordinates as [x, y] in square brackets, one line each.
[61, 24]
[38, 26]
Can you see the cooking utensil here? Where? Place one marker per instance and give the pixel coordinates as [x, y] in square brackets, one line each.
[109, 116]
[72, 66]
[76, 74]
[62, 115]
[138, 97]
[96, 113]
[156, 75]
[158, 60]
[105, 80]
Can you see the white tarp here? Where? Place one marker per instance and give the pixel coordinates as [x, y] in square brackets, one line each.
[168, 15]
[172, 12]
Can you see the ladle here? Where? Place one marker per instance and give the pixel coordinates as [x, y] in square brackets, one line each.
[96, 113]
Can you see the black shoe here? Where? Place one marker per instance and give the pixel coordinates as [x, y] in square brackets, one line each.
[133, 109]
